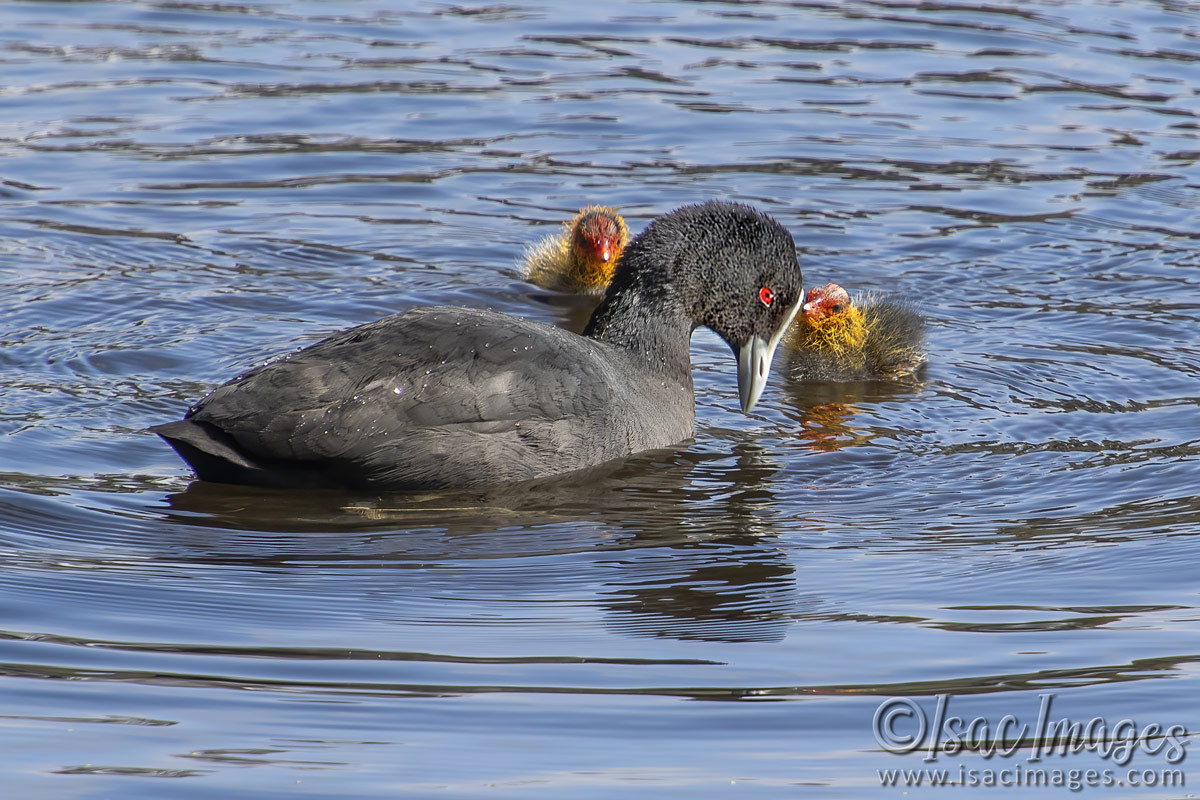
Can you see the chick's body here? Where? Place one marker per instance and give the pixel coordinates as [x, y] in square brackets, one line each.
[871, 338]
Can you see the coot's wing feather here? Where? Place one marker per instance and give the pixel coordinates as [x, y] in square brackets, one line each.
[423, 396]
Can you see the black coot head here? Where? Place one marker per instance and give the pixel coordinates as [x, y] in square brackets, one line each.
[736, 272]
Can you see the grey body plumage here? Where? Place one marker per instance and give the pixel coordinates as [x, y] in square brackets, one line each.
[455, 397]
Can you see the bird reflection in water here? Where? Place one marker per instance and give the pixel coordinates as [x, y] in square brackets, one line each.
[715, 575]
[825, 411]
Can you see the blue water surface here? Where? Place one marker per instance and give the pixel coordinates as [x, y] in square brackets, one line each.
[189, 188]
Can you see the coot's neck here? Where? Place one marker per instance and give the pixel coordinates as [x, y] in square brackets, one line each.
[650, 322]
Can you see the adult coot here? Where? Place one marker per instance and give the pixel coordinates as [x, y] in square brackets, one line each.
[580, 257]
[448, 397]
[837, 339]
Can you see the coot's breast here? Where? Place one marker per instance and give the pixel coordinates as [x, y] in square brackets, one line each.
[450, 396]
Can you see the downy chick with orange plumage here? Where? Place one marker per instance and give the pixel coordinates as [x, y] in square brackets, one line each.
[837, 339]
[581, 257]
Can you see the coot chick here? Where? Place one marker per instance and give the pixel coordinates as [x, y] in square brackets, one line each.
[448, 397]
[837, 339]
[582, 256]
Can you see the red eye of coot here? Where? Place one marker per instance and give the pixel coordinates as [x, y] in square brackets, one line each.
[766, 295]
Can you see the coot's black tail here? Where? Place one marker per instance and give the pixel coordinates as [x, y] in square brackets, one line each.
[212, 453]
